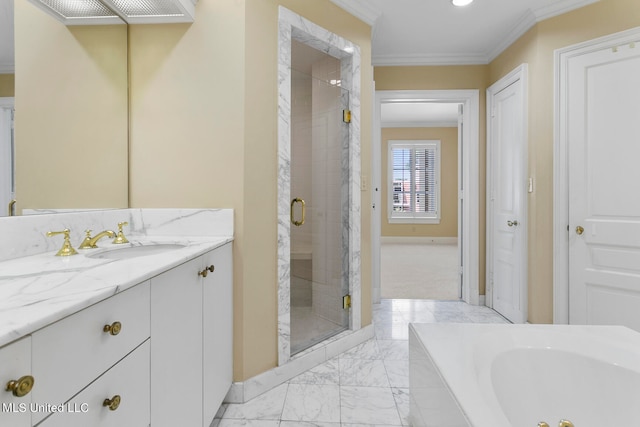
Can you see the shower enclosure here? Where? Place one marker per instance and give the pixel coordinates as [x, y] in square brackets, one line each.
[320, 197]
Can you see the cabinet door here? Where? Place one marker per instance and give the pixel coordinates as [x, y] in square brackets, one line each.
[15, 362]
[128, 379]
[176, 346]
[218, 330]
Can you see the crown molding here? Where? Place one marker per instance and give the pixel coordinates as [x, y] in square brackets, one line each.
[531, 18]
[428, 59]
[360, 9]
[560, 7]
[526, 22]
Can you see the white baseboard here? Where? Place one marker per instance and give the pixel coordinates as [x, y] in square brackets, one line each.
[418, 240]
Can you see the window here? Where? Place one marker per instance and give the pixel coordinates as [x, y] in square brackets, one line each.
[414, 181]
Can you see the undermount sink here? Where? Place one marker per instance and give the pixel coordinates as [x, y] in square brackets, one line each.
[135, 251]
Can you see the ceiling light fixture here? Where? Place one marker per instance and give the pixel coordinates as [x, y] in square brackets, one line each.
[461, 3]
[92, 12]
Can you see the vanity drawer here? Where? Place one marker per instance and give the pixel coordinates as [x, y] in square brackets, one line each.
[74, 351]
[129, 380]
[15, 363]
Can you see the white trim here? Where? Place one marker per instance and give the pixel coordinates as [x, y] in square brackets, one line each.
[561, 163]
[409, 240]
[471, 159]
[424, 124]
[361, 9]
[520, 73]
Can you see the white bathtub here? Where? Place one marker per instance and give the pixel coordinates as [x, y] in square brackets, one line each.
[484, 375]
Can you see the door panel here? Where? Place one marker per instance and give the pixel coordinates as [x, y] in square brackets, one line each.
[603, 133]
[507, 252]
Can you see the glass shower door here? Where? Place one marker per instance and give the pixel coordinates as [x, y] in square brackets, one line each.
[319, 218]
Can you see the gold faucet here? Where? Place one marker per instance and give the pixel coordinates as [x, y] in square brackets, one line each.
[66, 249]
[120, 237]
[91, 242]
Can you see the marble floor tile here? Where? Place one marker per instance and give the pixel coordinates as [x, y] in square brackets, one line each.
[393, 349]
[308, 424]
[398, 373]
[366, 386]
[363, 372]
[267, 406]
[369, 405]
[326, 373]
[247, 423]
[366, 350]
[310, 402]
[401, 396]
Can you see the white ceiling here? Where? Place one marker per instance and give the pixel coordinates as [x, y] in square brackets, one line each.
[419, 114]
[413, 32]
[434, 32]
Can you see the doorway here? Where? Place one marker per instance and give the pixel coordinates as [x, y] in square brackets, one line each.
[319, 265]
[293, 27]
[468, 191]
[420, 256]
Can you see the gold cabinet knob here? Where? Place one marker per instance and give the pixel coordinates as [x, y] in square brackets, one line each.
[21, 387]
[579, 230]
[112, 403]
[206, 271]
[565, 423]
[113, 329]
[543, 424]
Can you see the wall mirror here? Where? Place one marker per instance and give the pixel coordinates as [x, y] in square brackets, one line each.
[71, 103]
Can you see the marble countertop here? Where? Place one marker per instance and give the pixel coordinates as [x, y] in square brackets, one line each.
[40, 289]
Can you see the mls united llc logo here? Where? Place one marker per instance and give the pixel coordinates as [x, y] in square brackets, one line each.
[46, 407]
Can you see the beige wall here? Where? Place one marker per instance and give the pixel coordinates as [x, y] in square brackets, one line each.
[203, 134]
[71, 113]
[448, 226]
[7, 85]
[447, 78]
[537, 49]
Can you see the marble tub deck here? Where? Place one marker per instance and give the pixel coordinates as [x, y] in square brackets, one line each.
[367, 385]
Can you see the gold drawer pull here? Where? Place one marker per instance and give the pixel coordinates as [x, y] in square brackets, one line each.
[113, 329]
[206, 271]
[21, 387]
[112, 403]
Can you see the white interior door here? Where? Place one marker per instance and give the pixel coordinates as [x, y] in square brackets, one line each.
[507, 197]
[460, 198]
[604, 206]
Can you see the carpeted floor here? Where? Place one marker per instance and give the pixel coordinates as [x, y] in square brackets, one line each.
[419, 271]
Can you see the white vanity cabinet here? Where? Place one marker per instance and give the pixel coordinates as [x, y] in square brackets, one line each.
[191, 347]
[15, 363]
[71, 353]
[217, 331]
[118, 398]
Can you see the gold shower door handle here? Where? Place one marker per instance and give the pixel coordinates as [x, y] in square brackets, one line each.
[293, 202]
